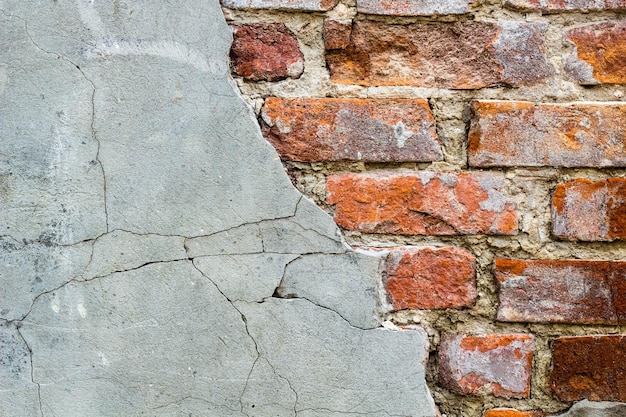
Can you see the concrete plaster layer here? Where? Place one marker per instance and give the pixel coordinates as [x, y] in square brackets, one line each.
[154, 257]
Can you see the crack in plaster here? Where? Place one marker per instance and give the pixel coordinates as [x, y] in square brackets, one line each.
[32, 368]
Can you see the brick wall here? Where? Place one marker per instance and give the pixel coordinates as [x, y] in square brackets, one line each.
[481, 144]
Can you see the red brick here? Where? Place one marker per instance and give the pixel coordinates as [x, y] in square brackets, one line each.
[592, 367]
[337, 33]
[590, 211]
[498, 364]
[425, 203]
[439, 55]
[510, 412]
[555, 6]
[561, 291]
[599, 53]
[329, 129]
[413, 8]
[265, 51]
[513, 133]
[301, 5]
[429, 278]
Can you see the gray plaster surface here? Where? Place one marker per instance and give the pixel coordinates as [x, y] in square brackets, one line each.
[154, 256]
[587, 408]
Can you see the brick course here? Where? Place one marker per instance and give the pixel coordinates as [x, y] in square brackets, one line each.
[439, 55]
[428, 278]
[426, 203]
[590, 211]
[599, 54]
[265, 51]
[561, 291]
[512, 133]
[556, 6]
[498, 364]
[592, 367]
[313, 130]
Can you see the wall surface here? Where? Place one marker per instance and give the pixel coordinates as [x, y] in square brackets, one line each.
[155, 259]
[481, 144]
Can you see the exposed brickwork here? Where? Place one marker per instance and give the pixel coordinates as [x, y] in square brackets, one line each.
[510, 412]
[441, 55]
[351, 129]
[511, 133]
[498, 364]
[427, 278]
[569, 291]
[592, 367]
[413, 8]
[555, 6]
[300, 5]
[599, 54]
[265, 51]
[415, 171]
[426, 203]
[590, 211]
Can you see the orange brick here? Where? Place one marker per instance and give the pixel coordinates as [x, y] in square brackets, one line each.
[425, 203]
[497, 364]
[555, 6]
[561, 291]
[512, 133]
[430, 278]
[510, 412]
[590, 211]
[328, 129]
[462, 55]
[599, 54]
[592, 367]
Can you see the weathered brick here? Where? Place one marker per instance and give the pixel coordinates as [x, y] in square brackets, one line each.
[301, 5]
[337, 33]
[425, 203]
[599, 53]
[592, 367]
[555, 6]
[590, 211]
[430, 278]
[351, 129]
[561, 291]
[510, 412]
[513, 133]
[265, 51]
[498, 364]
[413, 8]
[439, 55]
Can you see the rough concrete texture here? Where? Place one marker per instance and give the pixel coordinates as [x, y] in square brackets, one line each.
[265, 51]
[425, 203]
[561, 291]
[149, 235]
[440, 55]
[310, 130]
[599, 53]
[590, 210]
[413, 7]
[591, 367]
[510, 133]
[586, 408]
